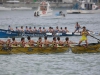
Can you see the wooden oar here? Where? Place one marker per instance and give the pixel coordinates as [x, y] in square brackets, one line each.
[94, 37]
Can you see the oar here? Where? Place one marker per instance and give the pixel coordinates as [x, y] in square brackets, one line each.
[95, 37]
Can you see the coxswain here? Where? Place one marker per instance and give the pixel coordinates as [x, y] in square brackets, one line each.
[39, 42]
[84, 34]
[77, 26]
[54, 42]
[14, 42]
[66, 30]
[30, 42]
[46, 42]
[22, 42]
[60, 43]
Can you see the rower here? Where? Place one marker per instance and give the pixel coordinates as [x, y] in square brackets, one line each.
[60, 43]
[22, 42]
[14, 42]
[34, 30]
[10, 28]
[57, 29]
[54, 43]
[1, 42]
[61, 30]
[17, 29]
[50, 30]
[40, 30]
[26, 30]
[8, 42]
[68, 42]
[21, 29]
[84, 34]
[30, 42]
[66, 30]
[44, 30]
[30, 30]
[39, 42]
[77, 26]
[46, 42]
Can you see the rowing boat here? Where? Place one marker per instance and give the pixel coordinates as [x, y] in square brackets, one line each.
[32, 50]
[92, 48]
[7, 33]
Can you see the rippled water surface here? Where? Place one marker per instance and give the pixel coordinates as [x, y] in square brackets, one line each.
[51, 64]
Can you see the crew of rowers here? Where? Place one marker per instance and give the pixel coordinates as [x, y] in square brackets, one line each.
[40, 30]
[56, 42]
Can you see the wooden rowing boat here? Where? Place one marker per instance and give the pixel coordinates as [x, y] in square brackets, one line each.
[92, 48]
[32, 50]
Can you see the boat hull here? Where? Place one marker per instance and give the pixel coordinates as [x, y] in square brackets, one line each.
[8, 33]
[32, 50]
[83, 11]
[92, 48]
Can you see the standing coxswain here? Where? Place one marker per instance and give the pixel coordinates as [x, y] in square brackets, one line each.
[84, 34]
[77, 26]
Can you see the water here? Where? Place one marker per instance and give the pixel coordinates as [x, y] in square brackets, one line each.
[51, 64]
